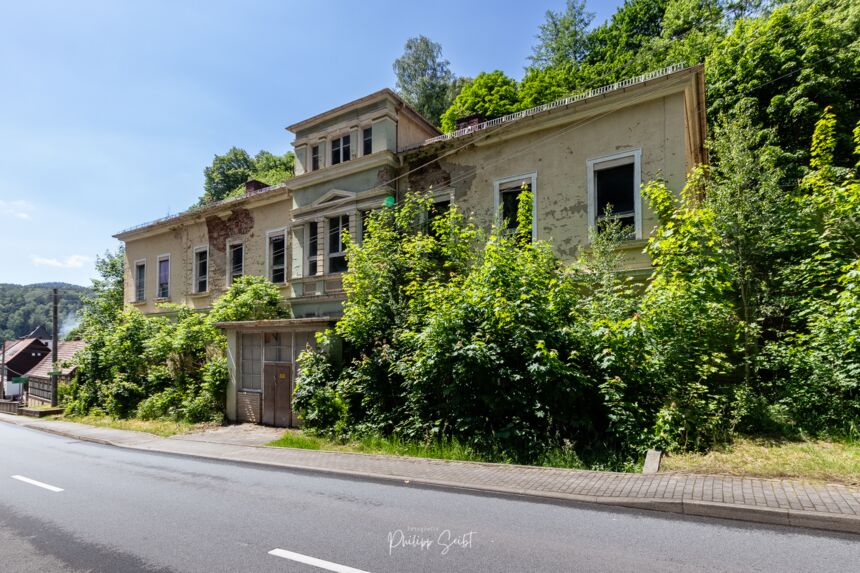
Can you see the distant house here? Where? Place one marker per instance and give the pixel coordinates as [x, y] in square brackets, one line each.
[40, 375]
[20, 357]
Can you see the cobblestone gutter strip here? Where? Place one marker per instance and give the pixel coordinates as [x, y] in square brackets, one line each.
[774, 502]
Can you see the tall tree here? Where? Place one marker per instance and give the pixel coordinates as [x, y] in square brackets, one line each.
[424, 78]
[490, 95]
[563, 37]
[228, 173]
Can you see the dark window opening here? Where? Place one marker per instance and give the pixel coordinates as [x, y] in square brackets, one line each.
[313, 246]
[201, 263]
[337, 226]
[614, 187]
[367, 141]
[315, 157]
[437, 210]
[509, 202]
[140, 282]
[237, 261]
[340, 150]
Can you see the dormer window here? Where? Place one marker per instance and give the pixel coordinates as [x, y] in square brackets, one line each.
[315, 158]
[340, 149]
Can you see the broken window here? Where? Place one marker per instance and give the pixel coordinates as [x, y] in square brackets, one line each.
[508, 200]
[277, 259]
[367, 140]
[615, 194]
[340, 149]
[313, 248]
[237, 261]
[336, 248]
[315, 157]
[201, 270]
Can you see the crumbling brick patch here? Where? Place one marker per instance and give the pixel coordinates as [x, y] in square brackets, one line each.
[239, 222]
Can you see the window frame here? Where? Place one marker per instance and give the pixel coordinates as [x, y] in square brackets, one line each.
[341, 253]
[242, 359]
[196, 271]
[139, 289]
[270, 235]
[230, 276]
[316, 155]
[158, 293]
[365, 131]
[340, 148]
[311, 254]
[608, 161]
[499, 184]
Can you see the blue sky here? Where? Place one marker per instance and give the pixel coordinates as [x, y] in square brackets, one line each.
[109, 111]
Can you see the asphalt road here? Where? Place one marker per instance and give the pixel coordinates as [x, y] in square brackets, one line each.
[121, 510]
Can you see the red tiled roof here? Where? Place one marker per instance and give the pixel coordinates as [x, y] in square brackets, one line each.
[65, 352]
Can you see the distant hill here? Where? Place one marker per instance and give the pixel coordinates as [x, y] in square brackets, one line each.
[25, 307]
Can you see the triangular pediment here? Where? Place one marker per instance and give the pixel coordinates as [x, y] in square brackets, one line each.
[334, 195]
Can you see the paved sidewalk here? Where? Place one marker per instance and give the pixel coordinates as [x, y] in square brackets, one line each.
[779, 502]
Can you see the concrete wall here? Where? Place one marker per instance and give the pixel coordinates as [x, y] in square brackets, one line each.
[246, 224]
[558, 155]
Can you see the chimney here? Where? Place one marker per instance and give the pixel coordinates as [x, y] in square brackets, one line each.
[470, 121]
[252, 186]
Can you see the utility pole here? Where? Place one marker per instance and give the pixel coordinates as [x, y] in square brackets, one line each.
[55, 339]
[3, 370]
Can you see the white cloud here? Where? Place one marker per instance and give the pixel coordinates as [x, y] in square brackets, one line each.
[70, 262]
[18, 208]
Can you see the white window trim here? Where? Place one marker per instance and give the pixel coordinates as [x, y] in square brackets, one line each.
[229, 265]
[138, 263]
[195, 277]
[498, 183]
[615, 159]
[164, 257]
[283, 232]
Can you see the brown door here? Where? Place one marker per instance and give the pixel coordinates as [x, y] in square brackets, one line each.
[277, 394]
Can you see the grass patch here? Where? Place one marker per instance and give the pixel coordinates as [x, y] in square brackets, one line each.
[164, 428]
[395, 446]
[816, 461]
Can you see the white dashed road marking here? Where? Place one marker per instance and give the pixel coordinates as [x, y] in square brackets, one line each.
[314, 562]
[46, 486]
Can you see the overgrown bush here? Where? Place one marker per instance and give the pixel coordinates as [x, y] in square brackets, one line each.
[164, 367]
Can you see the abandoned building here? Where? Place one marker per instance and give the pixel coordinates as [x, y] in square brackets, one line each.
[575, 155]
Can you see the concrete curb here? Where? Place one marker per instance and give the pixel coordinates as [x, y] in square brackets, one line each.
[770, 516]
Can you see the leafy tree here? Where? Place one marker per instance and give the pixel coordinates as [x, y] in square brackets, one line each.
[490, 94]
[23, 308]
[424, 78]
[782, 70]
[249, 298]
[563, 37]
[228, 173]
[159, 367]
[105, 301]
